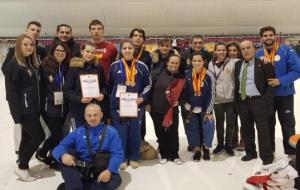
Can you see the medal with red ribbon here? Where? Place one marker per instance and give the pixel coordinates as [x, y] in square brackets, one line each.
[197, 80]
[129, 72]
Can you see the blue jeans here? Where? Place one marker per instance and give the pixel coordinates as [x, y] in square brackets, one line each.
[130, 133]
[194, 128]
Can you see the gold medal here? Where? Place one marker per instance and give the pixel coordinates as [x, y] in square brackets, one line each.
[197, 94]
[128, 83]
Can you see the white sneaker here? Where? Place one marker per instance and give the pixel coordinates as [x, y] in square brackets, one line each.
[163, 161]
[178, 161]
[24, 175]
[34, 174]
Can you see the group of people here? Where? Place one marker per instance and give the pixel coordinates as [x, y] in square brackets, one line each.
[44, 84]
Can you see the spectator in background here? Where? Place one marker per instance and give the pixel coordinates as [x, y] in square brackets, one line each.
[64, 34]
[287, 70]
[297, 48]
[106, 52]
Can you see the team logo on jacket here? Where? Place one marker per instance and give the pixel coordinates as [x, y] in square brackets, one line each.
[51, 79]
[277, 57]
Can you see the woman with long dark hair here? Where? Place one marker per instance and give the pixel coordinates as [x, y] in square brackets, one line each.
[25, 98]
[234, 52]
[198, 100]
[55, 106]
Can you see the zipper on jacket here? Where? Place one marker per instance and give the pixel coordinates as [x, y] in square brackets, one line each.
[46, 105]
[38, 79]
[26, 103]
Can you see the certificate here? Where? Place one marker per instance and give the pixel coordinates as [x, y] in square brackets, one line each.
[89, 86]
[128, 105]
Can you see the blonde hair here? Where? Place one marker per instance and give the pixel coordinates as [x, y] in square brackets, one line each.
[19, 54]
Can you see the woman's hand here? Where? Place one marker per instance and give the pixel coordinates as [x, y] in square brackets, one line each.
[139, 100]
[209, 117]
[100, 97]
[86, 100]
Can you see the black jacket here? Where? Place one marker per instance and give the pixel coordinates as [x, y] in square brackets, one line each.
[186, 56]
[161, 79]
[145, 58]
[53, 81]
[6, 69]
[72, 45]
[24, 89]
[262, 72]
[72, 88]
[158, 60]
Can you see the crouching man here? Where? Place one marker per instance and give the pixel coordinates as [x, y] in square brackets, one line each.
[76, 153]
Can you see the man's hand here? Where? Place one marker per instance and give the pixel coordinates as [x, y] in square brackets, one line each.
[139, 100]
[86, 100]
[68, 159]
[100, 97]
[265, 59]
[209, 117]
[148, 108]
[104, 176]
[273, 82]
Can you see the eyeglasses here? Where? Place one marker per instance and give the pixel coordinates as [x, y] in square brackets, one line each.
[64, 32]
[60, 51]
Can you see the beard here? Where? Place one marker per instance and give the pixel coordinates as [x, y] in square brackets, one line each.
[269, 42]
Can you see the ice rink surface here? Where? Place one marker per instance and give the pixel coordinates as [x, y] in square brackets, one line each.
[221, 173]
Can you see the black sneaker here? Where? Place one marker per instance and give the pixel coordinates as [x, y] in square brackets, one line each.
[218, 149]
[197, 156]
[206, 153]
[229, 150]
[190, 149]
[61, 186]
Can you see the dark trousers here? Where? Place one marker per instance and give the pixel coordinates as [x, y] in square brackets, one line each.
[235, 137]
[32, 136]
[168, 139]
[254, 110]
[222, 111]
[284, 105]
[73, 180]
[55, 125]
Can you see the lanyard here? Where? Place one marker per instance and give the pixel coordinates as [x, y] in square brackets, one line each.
[59, 77]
